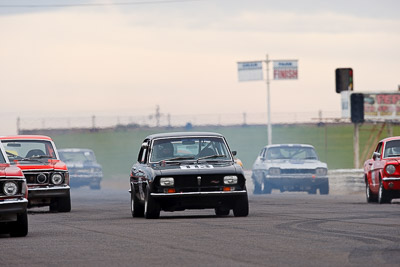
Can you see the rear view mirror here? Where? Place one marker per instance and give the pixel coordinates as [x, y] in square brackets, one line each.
[14, 144]
[376, 155]
[234, 153]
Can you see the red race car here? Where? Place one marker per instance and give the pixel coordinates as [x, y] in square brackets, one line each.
[13, 199]
[382, 172]
[46, 175]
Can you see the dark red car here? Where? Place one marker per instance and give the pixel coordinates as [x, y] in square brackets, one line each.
[382, 172]
[13, 199]
[46, 175]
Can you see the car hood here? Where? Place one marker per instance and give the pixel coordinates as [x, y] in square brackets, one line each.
[41, 165]
[201, 168]
[295, 164]
[82, 165]
[10, 171]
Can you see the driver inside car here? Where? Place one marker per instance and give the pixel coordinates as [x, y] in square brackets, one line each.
[165, 151]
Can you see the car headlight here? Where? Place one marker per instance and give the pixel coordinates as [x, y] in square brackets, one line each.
[10, 188]
[167, 181]
[274, 171]
[321, 171]
[56, 178]
[230, 179]
[390, 169]
[41, 178]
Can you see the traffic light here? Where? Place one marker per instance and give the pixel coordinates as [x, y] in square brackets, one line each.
[357, 108]
[344, 80]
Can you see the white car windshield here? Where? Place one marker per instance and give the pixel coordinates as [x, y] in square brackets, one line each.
[193, 148]
[291, 152]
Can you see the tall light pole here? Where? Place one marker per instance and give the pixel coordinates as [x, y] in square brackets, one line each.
[268, 105]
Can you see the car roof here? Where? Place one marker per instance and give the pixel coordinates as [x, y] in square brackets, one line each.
[390, 139]
[183, 134]
[75, 150]
[25, 137]
[289, 145]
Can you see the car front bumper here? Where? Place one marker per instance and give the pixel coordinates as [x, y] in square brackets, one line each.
[391, 183]
[198, 200]
[48, 192]
[13, 206]
[295, 182]
[200, 194]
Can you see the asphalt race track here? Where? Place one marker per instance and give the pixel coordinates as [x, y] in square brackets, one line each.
[285, 229]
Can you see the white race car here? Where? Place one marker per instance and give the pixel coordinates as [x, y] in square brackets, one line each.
[289, 167]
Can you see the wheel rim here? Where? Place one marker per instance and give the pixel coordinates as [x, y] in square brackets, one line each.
[367, 190]
[380, 192]
[132, 205]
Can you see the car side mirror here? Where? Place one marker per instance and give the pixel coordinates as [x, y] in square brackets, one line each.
[234, 153]
[376, 156]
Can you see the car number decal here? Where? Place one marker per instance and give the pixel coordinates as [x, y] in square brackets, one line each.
[191, 167]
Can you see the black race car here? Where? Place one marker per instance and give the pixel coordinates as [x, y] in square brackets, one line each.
[191, 170]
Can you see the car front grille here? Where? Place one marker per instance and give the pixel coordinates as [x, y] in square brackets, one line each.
[297, 171]
[198, 183]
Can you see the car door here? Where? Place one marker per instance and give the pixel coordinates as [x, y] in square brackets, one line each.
[377, 165]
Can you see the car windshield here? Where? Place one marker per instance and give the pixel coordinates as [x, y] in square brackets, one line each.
[291, 152]
[392, 149]
[29, 149]
[193, 148]
[77, 156]
[2, 159]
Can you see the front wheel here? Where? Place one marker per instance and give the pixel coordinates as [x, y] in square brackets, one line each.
[137, 209]
[324, 189]
[221, 211]
[267, 187]
[241, 208]
[369, 195]
[383, 196]
[20, 227]
[151, 206]
[257, 188]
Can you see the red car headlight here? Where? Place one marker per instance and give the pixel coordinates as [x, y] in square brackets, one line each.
[390, 169]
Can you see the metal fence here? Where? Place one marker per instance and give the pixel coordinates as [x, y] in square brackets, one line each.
[170, 120]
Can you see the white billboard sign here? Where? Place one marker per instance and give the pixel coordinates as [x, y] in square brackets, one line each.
[285, 69]
[250, 71]
[382, 106]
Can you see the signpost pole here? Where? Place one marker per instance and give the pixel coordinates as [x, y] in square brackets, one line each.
[356, 143]
[268, 105]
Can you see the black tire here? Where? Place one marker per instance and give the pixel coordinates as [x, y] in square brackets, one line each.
[20, 227]
[221, 211]
[312, 191]
[95, 186]
[137, 209]
[151, 206]
[383, 195]
[267, 188]
[241, 208]
[324, 189]
[371, 198]
[257, 188]
[61, 204]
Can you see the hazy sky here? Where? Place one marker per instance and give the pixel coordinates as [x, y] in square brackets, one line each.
[125, 57]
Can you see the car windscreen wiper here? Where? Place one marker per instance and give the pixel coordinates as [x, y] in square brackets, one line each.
[211, 157]
[176, 158]
[41, 157]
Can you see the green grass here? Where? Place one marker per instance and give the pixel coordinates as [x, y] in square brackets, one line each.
[117, 151]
